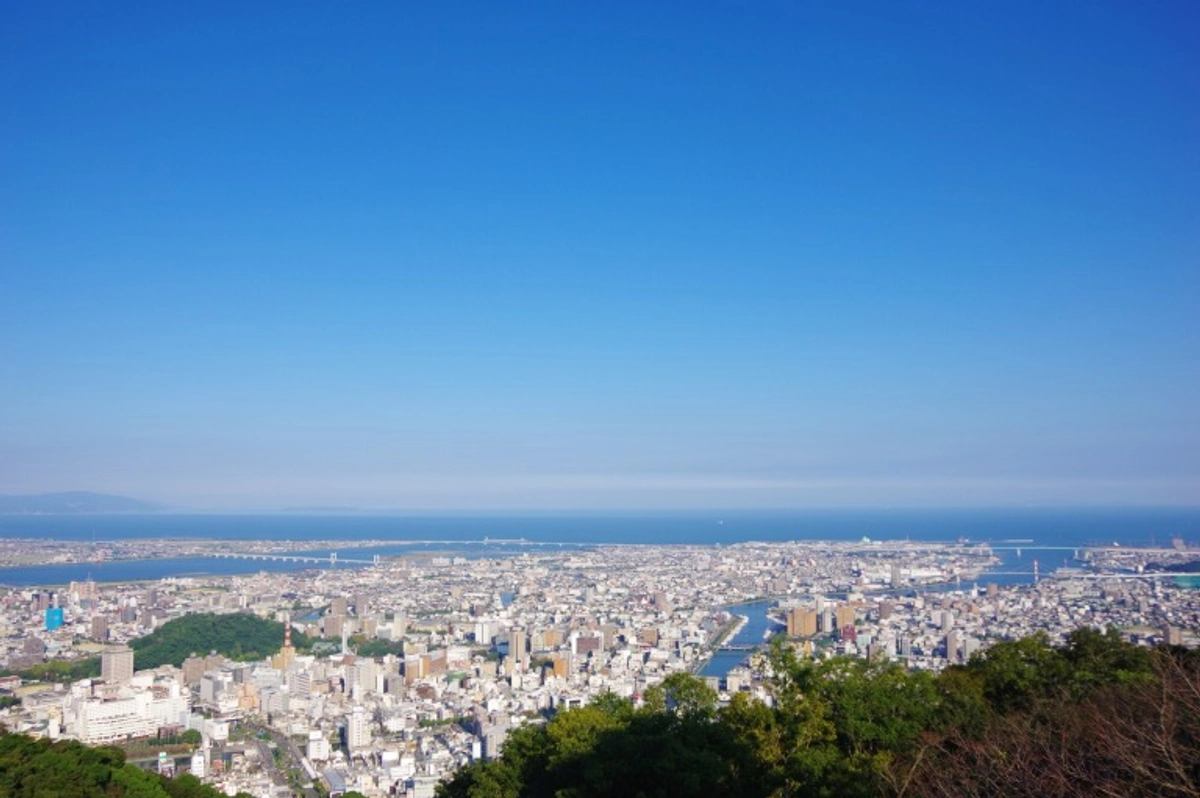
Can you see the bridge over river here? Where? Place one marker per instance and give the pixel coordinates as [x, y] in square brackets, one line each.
[332, 559]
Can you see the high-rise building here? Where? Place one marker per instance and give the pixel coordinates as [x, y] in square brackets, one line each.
[116, 664]
[947, 620]
[801, 622]
[358, 729]
[54, 618]
[845, 616]
[518, 642]
[99, 628]
[333, 625]
[952, 643]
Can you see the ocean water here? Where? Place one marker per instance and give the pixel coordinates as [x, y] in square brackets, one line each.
[1048, 534]
[1059, 527]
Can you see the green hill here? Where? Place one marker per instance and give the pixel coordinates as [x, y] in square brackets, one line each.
[237, 636]
[32, 768]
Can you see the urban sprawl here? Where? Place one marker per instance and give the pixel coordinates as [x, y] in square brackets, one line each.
[487, 644]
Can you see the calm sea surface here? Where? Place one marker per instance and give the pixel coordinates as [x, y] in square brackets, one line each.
[465, 534]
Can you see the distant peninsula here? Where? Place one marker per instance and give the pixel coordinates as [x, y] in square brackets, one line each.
[74, 503]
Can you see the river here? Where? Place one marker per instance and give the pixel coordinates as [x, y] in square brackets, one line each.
[752, 632]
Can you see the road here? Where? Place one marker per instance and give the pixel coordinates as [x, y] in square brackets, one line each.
[292, 754]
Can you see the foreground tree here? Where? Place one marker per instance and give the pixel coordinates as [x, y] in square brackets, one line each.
[1094, 717]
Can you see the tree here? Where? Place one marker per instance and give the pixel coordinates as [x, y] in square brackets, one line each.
[683, 694]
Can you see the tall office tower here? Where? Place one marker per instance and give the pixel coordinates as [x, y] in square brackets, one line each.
[116, 664]
[338, 606]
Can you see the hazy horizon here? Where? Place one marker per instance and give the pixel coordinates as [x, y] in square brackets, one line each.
[416, 510]
[625, 257]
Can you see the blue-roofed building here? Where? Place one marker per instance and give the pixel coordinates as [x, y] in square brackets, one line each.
[54, 618]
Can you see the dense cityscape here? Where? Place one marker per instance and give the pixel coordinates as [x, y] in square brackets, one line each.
[424, 663]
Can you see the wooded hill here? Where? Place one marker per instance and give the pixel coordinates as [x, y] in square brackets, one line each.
[1097, 716]
[239, 637]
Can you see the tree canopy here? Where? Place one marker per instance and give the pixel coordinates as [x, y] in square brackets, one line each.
[237, 636]
[852, 727]
[38, 768]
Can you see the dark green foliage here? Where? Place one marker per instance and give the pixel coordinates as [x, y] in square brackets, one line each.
[239, 637]
[32, 768]
[58, 670]
[843, 728]
[1017, 675]
[376, 648]
[610, 749]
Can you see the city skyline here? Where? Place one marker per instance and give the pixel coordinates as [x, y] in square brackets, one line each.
[617, 258]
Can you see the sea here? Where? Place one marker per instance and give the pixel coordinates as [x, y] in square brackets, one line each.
[1020, 535]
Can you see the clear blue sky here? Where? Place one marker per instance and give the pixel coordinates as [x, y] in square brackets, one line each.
[601, 255]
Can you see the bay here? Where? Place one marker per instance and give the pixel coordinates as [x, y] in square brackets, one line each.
[1049, 535]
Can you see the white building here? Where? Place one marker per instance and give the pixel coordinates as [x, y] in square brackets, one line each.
[318, 746]
[99, 714]
[358, 729]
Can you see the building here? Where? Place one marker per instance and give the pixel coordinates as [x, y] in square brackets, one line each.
[116, 664]
[99, 628]
[358, 730]
[54, 618]
[106, 713]
[801, 622]
[318, 746]
[845, 616]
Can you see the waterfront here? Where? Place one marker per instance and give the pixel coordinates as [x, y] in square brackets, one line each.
[753, 632]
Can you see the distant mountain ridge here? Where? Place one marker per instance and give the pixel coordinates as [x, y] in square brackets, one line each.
[78, 502]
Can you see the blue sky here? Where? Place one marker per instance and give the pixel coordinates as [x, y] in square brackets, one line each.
[601, 255]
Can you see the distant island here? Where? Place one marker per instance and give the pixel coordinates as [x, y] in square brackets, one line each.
[74, 503]
[319, 510]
